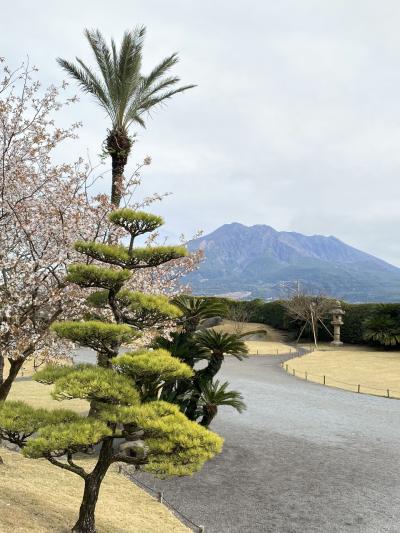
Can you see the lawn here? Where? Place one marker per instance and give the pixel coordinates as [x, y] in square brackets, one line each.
[37, 497]
[348, 367]
[267, 340]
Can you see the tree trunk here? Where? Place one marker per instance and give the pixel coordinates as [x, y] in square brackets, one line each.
[212, 369]
[118, 146]
[118, 166]
[205, 374]
[209, 413]
[86, 521]
[1, 369]
[15, 367]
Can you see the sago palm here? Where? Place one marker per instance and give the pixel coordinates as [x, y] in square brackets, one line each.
[125, 94]
[213, 395]
[196, 309]
[219, 344]
[382, 329]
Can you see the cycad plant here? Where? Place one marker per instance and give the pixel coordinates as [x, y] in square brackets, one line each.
[196, 309]
[215, 394]
[127, 421]
[383, 329]
[124, 93]
[219, 344]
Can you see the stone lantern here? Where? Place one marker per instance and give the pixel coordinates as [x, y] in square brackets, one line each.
[337, 321]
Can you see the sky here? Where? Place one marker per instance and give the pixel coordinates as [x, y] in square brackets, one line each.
[294, 123]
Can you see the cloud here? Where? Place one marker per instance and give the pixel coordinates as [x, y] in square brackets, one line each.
[295, 121]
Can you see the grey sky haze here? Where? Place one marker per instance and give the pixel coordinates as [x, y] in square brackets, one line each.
[295, 122]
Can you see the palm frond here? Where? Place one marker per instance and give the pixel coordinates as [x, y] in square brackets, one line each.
[120, 88]
[222, 343]
[88, 81]
[216, 394]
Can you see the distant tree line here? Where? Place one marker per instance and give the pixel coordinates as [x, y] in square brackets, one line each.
[372, 323]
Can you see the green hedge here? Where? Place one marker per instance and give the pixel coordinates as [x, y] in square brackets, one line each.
[274, 314]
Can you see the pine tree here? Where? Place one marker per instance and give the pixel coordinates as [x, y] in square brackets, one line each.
[123, 389]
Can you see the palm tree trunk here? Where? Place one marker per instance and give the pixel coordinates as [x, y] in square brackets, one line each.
[209, 413]
[1, 369]
[118, 167]
[213, 367]
[205, 374]
[15, 367]
[86, 521]
[118, 146]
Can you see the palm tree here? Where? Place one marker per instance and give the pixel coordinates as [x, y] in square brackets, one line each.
[213, 395]
[382, 329]
[196, 309]
[219, 344]
[124, 93]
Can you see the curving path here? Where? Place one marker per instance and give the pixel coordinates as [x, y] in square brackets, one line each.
[303, 458]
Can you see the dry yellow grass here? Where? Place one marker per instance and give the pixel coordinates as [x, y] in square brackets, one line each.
[268, 348]
[375, 371]
[268, 341]
[36, 497]
[38, 395]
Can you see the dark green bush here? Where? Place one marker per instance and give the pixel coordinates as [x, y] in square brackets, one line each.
[352, 331]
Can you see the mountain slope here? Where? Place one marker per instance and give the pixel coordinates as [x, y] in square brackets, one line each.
[260, 260]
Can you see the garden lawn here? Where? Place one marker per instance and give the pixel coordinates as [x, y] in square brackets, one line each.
[375, 371]
[267, 340]
[37, 497]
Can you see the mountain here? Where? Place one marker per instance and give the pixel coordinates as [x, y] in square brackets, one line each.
[258, 262]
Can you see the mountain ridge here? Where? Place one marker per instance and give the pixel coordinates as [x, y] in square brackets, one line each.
[259, 259]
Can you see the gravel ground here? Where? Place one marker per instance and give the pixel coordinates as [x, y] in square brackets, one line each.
[303, 458]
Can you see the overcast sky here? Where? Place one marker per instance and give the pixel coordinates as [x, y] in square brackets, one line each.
[295, 122]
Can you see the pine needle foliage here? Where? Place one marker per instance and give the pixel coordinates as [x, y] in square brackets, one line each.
[61, 439]
[127, 422]
[136, 222]
[95, 276]
[151, 369]
[98, 384]
[50, 373]
[103, 337]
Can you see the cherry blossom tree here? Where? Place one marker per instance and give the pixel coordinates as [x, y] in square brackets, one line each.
[45, 206]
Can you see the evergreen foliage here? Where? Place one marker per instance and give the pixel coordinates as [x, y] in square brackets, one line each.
[196, 309]
[383, 329]
[151, 370]
[122, 91]
[103, 337]
[136, 222]
[127, 422]
[215, 394]
[98, 384]
[95, 276]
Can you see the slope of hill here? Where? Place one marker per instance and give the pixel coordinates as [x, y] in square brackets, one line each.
[259, 261]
